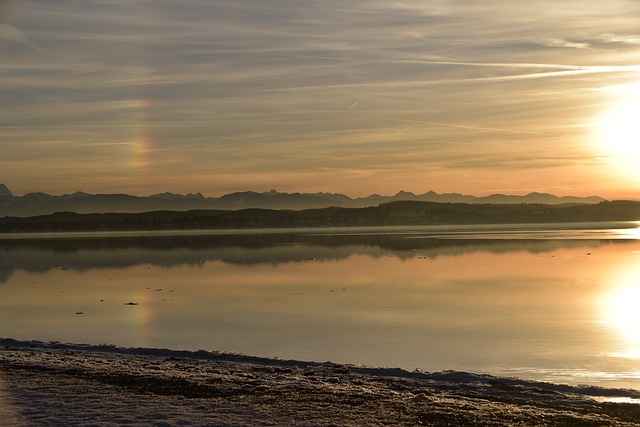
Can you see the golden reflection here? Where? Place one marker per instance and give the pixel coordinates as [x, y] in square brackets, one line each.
[631, 232]
[621, 313]
[617, 131]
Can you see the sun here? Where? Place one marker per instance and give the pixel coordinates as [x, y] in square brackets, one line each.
[617, 135]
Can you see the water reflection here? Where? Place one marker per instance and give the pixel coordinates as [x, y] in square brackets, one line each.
[92, 251]
[475, 300]
[632, 231]
[620, 307]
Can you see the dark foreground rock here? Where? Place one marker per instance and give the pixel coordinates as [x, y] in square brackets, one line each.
[54, 384]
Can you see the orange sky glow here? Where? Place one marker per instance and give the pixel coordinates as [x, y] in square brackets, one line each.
[356, 97]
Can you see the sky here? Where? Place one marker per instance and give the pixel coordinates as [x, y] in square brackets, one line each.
[349, 96]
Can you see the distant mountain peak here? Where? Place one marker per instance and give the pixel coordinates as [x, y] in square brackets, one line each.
[38, 196]
[4, 191]
[403, 193]
[75, 195]
[195, 196]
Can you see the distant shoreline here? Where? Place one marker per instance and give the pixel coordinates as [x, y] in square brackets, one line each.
[405, 213]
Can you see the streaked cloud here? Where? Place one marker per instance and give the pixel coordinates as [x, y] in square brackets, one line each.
[618, 38]
[245, 94]
[567, 43]
[11, 33]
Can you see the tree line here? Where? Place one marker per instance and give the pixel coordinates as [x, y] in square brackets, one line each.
[388, 214]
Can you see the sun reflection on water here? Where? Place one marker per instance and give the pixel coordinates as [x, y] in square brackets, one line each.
[631, 232]
[620, 310]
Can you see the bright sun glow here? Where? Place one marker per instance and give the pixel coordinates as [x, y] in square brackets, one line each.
[618, 130]
[620, 310]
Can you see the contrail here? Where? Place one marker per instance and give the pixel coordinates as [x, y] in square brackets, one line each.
[451, 125]
[588, 69]
[556, 70]
[353, 105]
[495, 64]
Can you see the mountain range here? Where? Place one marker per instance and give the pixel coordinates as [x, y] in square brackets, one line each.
[33, 204]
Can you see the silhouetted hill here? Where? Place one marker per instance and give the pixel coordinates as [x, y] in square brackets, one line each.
[42, 204]
[389, 214]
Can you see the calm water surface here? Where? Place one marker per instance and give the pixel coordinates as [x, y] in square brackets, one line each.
[545, 302]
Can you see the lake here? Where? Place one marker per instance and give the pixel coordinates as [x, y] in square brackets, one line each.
[550, 302]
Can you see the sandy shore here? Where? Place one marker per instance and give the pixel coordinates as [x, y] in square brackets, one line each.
[50, 384]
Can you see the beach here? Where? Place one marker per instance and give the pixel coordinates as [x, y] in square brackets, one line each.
[49, 383]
